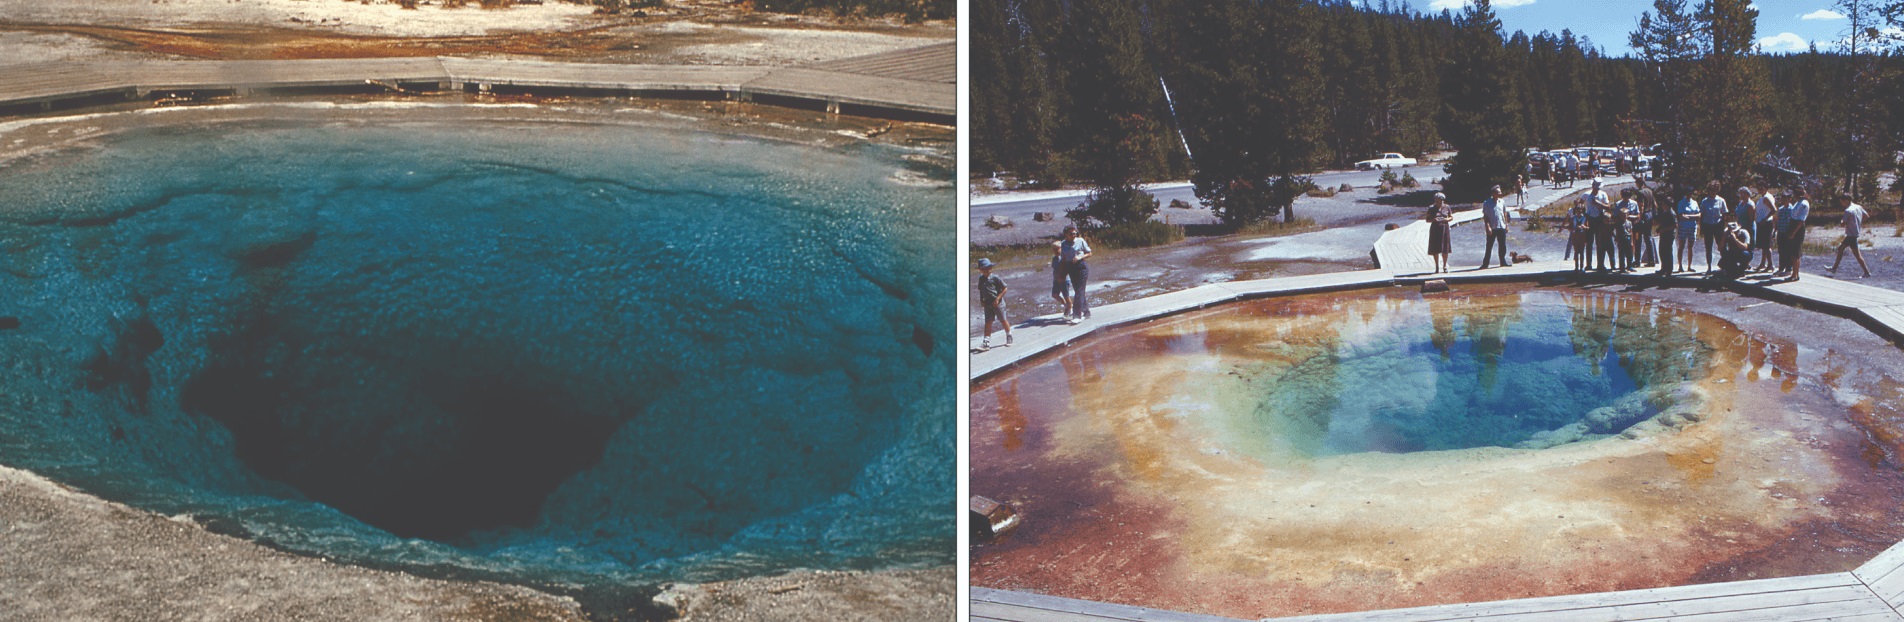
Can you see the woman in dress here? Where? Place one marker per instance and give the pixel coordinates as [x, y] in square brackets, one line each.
[1440, 237]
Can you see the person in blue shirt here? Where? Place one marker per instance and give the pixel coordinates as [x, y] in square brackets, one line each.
[1494, 215]
[1072, 251]
[1712, 215]
[1688, 211]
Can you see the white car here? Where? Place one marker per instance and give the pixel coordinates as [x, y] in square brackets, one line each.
[1388, 160]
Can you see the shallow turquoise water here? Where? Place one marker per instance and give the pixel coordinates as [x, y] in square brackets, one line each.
[545, 352]
[1462, 372]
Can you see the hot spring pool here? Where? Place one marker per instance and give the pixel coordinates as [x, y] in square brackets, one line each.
[1384, 448]
[548, 353]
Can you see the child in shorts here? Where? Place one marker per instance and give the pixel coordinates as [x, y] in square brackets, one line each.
[991, 295]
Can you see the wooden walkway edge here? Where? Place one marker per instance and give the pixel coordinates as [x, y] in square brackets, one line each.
[1873, 592]
[910, 84]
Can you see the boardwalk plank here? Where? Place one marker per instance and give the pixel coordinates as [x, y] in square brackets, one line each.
[857, 89]
[1027, 607]
[932, 63]
[1737, 599]
[1890, 318]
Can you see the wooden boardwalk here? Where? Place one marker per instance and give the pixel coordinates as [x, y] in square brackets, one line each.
[1404, 250]
[1873, 592]
[911, 84]
[989, 605]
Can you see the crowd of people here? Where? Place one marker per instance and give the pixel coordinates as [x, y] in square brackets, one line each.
[1646, 225]
[1646, 228]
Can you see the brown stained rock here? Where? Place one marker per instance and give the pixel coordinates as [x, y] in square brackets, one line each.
[72, 556]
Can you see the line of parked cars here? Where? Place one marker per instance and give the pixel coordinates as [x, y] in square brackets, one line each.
[1565, 165]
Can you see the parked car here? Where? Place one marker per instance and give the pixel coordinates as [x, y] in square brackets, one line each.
[1388, 160]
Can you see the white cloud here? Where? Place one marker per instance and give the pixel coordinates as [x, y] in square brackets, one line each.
[1784, 42]
[1455, 5]
[1822, 14]
[1754, 6]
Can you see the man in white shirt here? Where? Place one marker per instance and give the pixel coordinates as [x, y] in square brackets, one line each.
[1854, 226]
[1599, 221]
[1494, 215]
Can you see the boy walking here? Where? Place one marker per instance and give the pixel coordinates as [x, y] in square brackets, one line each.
[991, 295]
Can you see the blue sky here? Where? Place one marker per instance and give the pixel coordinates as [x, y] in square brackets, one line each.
[1784, 25]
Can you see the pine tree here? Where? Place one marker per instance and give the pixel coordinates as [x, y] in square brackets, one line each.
[1666, 41]
[1114, 106]
[1250, 98]
[1864, 142]
[1480, 116]
[1729, 125]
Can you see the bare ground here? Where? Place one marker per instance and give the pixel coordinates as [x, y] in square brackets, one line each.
[689, 32]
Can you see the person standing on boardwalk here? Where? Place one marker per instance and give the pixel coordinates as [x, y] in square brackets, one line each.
[1643, 249]
[1666, 221]
[1577, 234]
[1494, 215]
[1060, 289]
[1791, 234]
[1688, 212]
[1520, 190]
[1600, 223]
[1854, 226]
[1073, 250]
[991, 295]
[1624, 214]
[1712, 215]
[1440, 238]
[1765, 225]
[1745, 212]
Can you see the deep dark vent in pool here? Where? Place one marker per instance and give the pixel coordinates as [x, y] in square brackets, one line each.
[473, 451]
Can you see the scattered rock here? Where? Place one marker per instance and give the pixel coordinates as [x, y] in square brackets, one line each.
[1434, 286]
[1042, 217]
[1391, 227]
[991, 519]
[1346, 188]
[1179, 204]
[999, 222]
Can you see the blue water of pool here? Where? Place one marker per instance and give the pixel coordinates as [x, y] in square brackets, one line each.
[545, 352]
